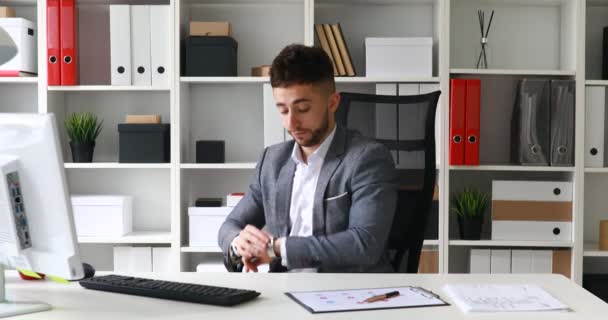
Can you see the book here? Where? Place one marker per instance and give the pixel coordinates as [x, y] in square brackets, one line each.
[333, 45]
[325, 45]
[343, 48]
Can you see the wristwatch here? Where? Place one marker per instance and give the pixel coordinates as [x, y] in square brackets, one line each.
[270, 248]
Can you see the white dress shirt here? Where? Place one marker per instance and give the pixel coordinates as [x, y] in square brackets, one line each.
[303, 193]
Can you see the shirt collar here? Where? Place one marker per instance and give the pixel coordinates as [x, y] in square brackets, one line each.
[320, 153]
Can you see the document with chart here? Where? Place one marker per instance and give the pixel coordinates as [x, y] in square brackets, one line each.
[355, 300]
[503, 297]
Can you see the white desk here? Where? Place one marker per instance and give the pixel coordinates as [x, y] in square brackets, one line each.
[75, 302]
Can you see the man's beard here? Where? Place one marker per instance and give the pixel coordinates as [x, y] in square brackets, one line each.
[317, 134]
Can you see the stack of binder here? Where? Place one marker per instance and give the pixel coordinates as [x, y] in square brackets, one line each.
[62, 57]
[532, 210]
[140, 44]
[520, 261]
[542, 124]
[332, 41]
[465, 109]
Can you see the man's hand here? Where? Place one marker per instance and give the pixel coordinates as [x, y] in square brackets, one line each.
[252, 242]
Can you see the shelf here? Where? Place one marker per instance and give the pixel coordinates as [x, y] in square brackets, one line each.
[17, 80]
[505, 72]
[151, 237]
[387, 79]
[115, 165]
[591, 249]
[19, 3]
[243, 165]
[596, 82]
[201, 249]
[431, 242]
[224, 80]
[244, 80]
[104, 88]
[512, 168]
[510, 243]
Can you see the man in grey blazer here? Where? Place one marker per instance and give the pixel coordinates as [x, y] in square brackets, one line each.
[322, 202]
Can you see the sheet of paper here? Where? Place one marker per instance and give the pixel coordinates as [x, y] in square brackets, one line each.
[496, 298]
[351, 300]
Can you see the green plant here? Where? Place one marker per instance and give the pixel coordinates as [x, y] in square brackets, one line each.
[83, 127]
[470, 203]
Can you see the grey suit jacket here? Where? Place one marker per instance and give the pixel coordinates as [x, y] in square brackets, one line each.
[353, 207]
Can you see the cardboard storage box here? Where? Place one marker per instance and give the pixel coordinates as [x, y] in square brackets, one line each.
[102, 216]
[23, 35]
[261, 71]
[205, 222]
[7, 12]
[213, 28]
[132, 259]
[399, 57]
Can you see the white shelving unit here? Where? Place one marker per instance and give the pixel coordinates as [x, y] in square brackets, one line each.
[529, 38]
[504, 243]
[141, 237]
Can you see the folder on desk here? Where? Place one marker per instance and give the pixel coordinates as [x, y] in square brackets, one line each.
[140, 45]
[69, 56]
[530, 123]
[160, 28]
[594, 126]
[562, 123]
[350, 300]
[53, 44]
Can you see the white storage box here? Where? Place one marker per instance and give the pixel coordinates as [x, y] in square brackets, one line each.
[132, 259]
[102, 216]
[23, 35]
[233, 199]
[212, 263]
[161, 259]
[205, 222]
[399, 57]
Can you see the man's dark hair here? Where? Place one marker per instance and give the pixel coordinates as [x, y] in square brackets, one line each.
[299, 64]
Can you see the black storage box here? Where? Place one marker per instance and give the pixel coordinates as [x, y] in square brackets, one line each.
[208, 56]
[210, 151]
[597, 284]
[144, 143]
[208, 202]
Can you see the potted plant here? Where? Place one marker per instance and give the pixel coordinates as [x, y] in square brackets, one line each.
[469, 206]
[83, 129]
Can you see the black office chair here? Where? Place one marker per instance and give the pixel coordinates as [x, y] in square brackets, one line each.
[406, 125]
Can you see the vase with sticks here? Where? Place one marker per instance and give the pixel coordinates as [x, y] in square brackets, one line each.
[482, 58]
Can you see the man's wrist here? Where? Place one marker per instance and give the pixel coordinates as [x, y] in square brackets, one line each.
[277, 246]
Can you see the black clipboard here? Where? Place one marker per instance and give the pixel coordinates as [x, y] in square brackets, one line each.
[372, 306]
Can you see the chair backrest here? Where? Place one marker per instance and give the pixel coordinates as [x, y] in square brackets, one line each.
[406, 125]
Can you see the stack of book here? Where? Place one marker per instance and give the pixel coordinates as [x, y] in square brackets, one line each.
[332, 41]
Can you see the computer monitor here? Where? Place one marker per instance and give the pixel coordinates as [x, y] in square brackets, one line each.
[37, 230]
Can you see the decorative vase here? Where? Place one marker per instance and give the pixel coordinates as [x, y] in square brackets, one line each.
[82, 152]
[470, 227]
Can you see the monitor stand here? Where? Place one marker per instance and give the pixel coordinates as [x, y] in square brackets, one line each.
[13, 308]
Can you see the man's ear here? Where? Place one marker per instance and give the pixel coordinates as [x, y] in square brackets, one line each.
[334, 101]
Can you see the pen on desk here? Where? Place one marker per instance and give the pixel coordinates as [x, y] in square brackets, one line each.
[382, 296]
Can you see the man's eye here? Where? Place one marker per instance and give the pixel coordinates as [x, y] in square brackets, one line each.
[283, 111]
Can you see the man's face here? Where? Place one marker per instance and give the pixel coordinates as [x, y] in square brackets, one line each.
[307, 112]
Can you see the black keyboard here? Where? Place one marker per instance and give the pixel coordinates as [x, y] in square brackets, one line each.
[220, 296]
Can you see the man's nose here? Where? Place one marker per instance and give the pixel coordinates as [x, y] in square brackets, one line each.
[292, 121]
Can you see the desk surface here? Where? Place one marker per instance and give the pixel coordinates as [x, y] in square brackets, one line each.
[75, 302]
